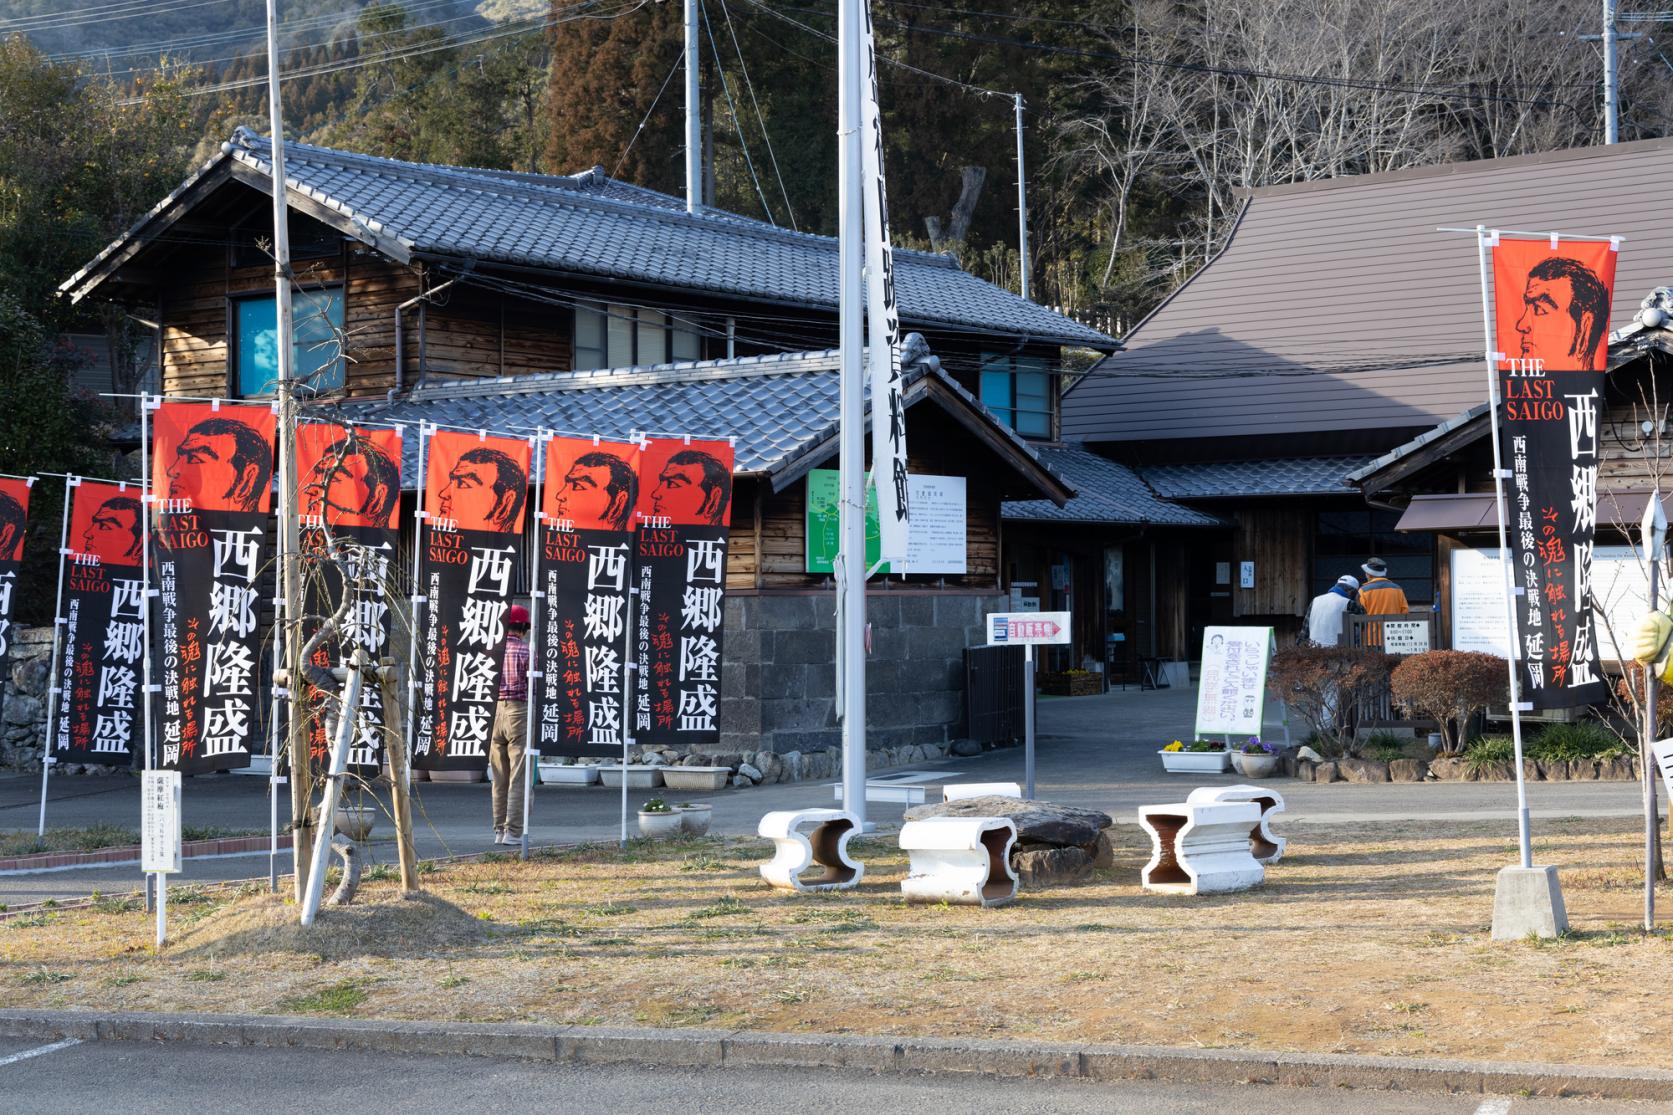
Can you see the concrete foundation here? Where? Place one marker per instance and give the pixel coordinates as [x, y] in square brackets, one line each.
[1528, 901]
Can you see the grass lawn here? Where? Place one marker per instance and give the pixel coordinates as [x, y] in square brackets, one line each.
[1363, 940]
[24, 842]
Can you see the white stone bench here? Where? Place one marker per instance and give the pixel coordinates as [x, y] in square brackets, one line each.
[953, 791]
[1200, 847]
[965, 861]
[804, 837]
[1265, 845]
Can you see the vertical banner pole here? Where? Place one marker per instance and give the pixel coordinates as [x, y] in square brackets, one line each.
[1028, 720]
[416, 634]
[1523, 837]
[1022, 205]
[55, 689]
[147, 494]
[273, 754]
[162, 906]
[631, 679]
[1655, 538]
[533, 673]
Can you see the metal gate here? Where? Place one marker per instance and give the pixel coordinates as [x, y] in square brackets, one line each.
[993, 693]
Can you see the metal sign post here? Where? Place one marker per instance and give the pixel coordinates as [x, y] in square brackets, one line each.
[1028, 630]
[160, 836]
[1653, 529]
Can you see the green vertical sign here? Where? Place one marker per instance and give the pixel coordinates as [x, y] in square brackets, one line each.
[823, 519]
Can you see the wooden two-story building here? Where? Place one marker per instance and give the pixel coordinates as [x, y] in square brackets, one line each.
[509, 301]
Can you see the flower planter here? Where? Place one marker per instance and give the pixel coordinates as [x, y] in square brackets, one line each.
[1254, 766]
[1070, 685]
[694, 819]
[356, 821]
[553, 774]
[695, 778]
[1195, 762]
[659, 826]
[458, 775]
[638, 777]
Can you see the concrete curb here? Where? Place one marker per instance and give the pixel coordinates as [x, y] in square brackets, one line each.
[744, 1048]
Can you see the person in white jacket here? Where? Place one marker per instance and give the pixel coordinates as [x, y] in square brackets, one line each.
[1324, 614]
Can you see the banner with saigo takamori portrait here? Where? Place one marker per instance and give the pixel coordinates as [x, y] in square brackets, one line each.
[685, 504]
[1551, 299]
[99, 675]
[211, 474]
[14, 523]
[350, 482]
[476, 489]
[586, 569]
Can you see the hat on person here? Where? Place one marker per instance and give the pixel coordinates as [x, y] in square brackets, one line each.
[518, 616]
[1348, 581]
[1376, 567]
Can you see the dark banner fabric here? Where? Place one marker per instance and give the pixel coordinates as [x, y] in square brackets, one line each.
[586, 568]
[14, 521]
[351, 496]
[476, 489]
[212, 471]
[1551, 306]
[685, 499]
[100, 669]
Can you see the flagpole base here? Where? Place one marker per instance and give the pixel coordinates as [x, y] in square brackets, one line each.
[1528, 902]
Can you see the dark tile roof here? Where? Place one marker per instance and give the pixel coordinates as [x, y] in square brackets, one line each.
[591, 224]
[779, 409]
[1106, 492]
[1283, 476]
[1337, 305]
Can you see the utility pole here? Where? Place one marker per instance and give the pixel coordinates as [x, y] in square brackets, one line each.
[693, 115]
[1022, 202]
[1611, 91]
[290, 549]
[851, 552]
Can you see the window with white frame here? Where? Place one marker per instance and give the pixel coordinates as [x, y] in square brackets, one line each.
[611, 335]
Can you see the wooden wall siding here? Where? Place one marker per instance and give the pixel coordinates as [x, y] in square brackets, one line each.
[473, 333]
[1275, 538]
[743, 560]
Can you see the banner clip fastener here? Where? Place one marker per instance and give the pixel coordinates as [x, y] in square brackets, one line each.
[1503, 474]
[153, 689]
[1524, 706]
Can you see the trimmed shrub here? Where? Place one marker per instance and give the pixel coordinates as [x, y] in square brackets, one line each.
[1326, 684]
[1449, 686]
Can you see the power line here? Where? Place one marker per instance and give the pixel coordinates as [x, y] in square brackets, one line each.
[634, 138]
[759, 119]
[726, 89]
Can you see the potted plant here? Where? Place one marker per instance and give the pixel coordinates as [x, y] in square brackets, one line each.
[694, 817]
[658, 820]
[1255, 759]
[1197, 757]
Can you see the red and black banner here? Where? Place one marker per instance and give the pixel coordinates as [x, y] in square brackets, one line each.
[14, 522]
[211, 475]
[475, 491]
[685, 501]
[350, 480]
[100, 679]
[1551, 309]
[586, 568]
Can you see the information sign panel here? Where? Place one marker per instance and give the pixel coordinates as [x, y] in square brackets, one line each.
[160, 821]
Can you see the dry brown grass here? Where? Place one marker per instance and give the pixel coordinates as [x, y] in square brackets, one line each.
[1362, 941]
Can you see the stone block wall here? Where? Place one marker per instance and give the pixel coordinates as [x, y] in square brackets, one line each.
[778, 682]
[23, 692]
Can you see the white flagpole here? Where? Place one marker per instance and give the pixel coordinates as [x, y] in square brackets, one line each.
[147, 500]
[273, 752]
[851, 579]
[1484, 241]
[533, 673]
[416, 634]
[55, 692]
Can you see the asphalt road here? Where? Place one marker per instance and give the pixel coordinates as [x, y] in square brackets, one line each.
[141, 1079]
[1092, 751]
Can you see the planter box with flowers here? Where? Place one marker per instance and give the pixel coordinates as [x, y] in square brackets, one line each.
[1255, 759]
[1200, 756]
[1070, 683]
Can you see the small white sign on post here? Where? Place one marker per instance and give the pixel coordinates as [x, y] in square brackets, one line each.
[1246, 574]
[1231, 695]
[160, 821]
[1406, 636]
[1016, 629]
[1662, 749]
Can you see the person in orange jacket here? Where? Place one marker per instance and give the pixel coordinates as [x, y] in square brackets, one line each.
[1380, 596]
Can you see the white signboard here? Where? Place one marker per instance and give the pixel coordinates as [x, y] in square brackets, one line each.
[1231, 697]
[1662, 749]
[936, 542]
[1246, 574]
[159, 821]
[1620, 587]
[1406, 636]
[1017, 629]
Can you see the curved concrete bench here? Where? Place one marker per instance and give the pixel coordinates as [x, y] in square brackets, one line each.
[953, 791]
[1200, 847]
[1265, 845]
[962, 860]
[804, 837]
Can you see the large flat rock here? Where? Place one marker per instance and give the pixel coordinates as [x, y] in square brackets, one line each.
[1038, 822]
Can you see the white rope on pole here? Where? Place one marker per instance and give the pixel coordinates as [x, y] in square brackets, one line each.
[55, 692]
